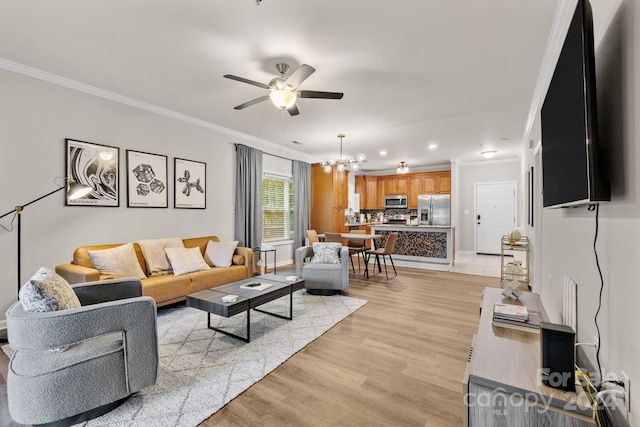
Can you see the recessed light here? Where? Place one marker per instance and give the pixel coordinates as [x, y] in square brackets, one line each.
[383, 153]
[432, 146]
[488, 154]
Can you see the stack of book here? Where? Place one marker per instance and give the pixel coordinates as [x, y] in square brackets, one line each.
[516, 317]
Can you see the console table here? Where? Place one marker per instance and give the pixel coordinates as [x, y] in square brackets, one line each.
[502, 385]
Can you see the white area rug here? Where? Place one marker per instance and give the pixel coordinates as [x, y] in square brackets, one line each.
[201, 370]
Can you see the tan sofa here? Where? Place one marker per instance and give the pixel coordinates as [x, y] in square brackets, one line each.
[167, 288]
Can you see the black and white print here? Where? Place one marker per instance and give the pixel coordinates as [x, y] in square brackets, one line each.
[97, 166]
[190, 184]
[146, 180]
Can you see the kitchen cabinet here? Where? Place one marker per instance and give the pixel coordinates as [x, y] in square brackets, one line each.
[371, 192]
[415, 189]
[436, 183]
[329, 200]
[394, 185]
[373, 189]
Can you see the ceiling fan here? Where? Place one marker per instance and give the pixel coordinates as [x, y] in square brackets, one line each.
[283, 90]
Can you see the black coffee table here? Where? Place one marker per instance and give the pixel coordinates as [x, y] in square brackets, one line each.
[210, 300]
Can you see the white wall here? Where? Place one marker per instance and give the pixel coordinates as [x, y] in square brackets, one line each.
[566, 236]
[37, 116]
[468, 175]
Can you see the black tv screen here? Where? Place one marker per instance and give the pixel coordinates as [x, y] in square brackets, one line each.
[571, 173]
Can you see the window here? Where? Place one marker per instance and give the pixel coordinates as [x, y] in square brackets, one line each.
[277, 208]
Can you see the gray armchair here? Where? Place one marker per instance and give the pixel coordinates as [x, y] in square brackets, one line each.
[112, 352]
[322, 279]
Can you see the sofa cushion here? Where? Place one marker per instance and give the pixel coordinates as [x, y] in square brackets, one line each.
[117, 262]
[47, 291]
[326, 253]
[186, 260]
[155, 256]
[220, 254]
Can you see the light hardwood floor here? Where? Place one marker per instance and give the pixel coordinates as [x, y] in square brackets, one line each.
[398, 361]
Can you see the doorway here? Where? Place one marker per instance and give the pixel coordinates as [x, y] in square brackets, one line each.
[495, 215]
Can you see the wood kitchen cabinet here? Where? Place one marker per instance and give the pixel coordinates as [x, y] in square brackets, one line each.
[394, 185]
[329, 199]
[373, 189]
[415, 189]
[436, 183]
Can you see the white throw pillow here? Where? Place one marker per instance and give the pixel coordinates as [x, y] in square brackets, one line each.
[117, 262]
[326, 253]
[186, 260]
[155, 255]
[220, 254]
[47, 291]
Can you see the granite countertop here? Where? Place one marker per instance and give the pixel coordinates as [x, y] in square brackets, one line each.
[401, 226]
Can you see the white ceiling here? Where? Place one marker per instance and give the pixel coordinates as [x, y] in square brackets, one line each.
[458, 73]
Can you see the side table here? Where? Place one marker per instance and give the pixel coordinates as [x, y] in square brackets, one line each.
[259, 250]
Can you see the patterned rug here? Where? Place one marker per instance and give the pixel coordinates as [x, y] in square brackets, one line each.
[202, 370]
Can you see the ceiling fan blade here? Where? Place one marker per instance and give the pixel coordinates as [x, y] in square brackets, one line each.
[250, 103]
[323, 95]
[293, 110]
[243, 80]
[299, 75]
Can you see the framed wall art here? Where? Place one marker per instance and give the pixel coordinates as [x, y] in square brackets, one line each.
[189, 184]
[97, 166]
[146, 180]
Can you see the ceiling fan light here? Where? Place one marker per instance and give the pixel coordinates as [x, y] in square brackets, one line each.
[332, 162]
[340, 167]
[361, 158]
[282, 98]
[355, 166]
[327, 168]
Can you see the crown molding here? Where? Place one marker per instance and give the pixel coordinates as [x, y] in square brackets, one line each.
[131, 102]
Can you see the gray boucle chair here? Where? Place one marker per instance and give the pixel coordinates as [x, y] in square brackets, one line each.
[112, 352]
[322, 279]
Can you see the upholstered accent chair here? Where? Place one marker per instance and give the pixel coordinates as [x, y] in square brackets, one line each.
[323, 278]
[72, 365]
[387, 250]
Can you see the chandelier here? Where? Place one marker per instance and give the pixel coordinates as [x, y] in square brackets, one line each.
[343, 163]
[402, 168]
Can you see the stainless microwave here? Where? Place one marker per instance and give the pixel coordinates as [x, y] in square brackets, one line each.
[395, 202]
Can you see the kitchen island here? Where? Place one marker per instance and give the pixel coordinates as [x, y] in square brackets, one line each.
[420, 246]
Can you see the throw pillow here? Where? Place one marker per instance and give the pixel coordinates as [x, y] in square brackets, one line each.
[220, 254]
[117, 262]
[186, 260]
[155, 255]
[47, 291]
[326, 253]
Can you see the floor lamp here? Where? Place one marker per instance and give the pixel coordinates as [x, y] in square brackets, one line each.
[75, 191]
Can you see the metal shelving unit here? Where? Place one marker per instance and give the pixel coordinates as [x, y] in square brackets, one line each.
[514, 267]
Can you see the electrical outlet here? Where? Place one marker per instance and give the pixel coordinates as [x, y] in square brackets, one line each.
[627, 390]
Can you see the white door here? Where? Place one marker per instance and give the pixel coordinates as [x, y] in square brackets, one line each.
[495, 215]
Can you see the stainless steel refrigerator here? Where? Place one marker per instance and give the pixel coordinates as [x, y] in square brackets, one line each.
[434, 209]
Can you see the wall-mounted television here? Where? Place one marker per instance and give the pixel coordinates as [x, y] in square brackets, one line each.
[571, 171]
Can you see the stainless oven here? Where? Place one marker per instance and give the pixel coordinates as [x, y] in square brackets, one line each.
[395, 202]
